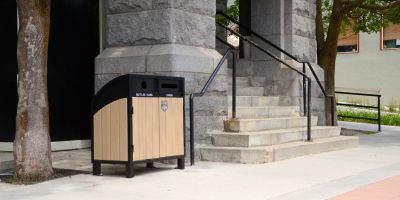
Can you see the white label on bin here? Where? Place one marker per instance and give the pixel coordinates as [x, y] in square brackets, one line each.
[144, 94]
[169, 95]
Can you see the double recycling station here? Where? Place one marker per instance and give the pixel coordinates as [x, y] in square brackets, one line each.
[139, 119]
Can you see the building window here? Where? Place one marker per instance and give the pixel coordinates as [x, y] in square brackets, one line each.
[348, 42]
[390, 37]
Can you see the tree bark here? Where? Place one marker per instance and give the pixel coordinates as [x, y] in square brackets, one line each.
[319, 29]
[32, 151]
[327, 57]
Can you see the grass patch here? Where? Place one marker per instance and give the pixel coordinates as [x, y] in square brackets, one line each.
[391, 119]
[58, 173]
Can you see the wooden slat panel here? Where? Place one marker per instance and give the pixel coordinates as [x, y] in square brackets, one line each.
[97, 136]
[105, 130]
[123, 130]
[145, 128]
[147, 140]
[114, 130]
[163, 131]
[171, 128]
[171, 119]
[180, 127]
[137, 123]
[155, 109]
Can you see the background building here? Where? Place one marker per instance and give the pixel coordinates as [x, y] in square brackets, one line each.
[370, 63]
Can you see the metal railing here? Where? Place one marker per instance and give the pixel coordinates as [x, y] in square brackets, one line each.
[230, 49]
[307, 104]
[378, 119]
[304, 63]
[306, 79]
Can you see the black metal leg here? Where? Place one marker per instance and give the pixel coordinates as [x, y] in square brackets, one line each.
[97, 169]
[150, 165]
[129, 171]
[181, 163]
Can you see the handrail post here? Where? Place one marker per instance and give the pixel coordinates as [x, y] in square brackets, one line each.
[233, 84]
[304, 90]
[309, 111]
[379, 113]
[191, 129]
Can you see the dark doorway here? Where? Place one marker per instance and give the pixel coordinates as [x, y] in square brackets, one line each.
[8, 69]
[73, 45]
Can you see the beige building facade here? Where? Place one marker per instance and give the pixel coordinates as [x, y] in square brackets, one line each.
[373, 68]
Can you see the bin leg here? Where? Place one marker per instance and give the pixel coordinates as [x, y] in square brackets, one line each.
[181, 163]
[97, 169]
[129, 171]
[150, 165]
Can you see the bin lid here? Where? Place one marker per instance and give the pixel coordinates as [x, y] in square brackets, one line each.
[135, 85]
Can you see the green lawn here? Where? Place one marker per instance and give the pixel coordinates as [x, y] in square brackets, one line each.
[391, 119]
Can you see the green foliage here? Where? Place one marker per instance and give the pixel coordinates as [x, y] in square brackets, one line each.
[391, 119]
[363, 19]
[231, 11]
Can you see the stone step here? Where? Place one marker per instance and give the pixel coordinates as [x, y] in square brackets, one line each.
[272, 137]
[240, 82]
[249, 155]
[256, 101]
[243, 68]
[257, 81]
[248, 91]
[240, 125]
[248, 81]
[265, 112]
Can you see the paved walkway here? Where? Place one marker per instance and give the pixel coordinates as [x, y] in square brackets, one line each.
[386, 189]
[321, 176]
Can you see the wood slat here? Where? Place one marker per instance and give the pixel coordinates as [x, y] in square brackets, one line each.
[114, 130]
[171, 128]
[138, 129]
[155, 109]
[97, 136]
[180, 124]
[163, 132]
[123, 129]
[106, 131]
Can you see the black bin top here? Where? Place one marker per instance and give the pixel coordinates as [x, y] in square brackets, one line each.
[134, 85]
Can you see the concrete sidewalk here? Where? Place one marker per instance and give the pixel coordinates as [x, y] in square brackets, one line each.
[319, 176]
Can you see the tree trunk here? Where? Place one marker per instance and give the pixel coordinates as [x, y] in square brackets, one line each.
[319, 29]
[327, 57]
[32, 151]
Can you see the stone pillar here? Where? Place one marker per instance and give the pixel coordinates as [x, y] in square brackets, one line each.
[300, 40]
[169, 38]
[289, 24]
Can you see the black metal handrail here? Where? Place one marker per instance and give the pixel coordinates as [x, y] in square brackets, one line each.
[304, 63]
[331, 97]
[230, 49]
[257, 35]
[308, 106]
[363, 106]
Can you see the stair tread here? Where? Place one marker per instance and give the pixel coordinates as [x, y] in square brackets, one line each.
[263, 107]
[285, 145]
[275, 131]
[246, 87]
[271, 118]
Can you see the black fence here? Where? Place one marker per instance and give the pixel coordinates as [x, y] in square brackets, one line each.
[378, 96]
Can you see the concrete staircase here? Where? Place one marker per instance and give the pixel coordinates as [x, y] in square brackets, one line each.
[268, 130]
